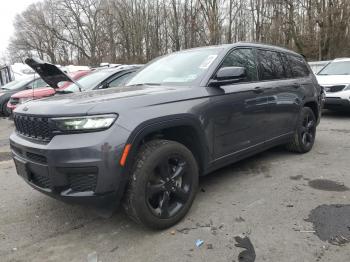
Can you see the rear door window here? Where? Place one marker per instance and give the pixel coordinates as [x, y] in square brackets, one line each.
[243, 58]
[298, 66]
[287, 66]
[270, 65]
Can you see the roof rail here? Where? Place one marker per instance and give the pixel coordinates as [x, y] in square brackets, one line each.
[341, 58]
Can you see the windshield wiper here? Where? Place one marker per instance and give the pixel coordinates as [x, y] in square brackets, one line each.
[64, 92]
[148, 84]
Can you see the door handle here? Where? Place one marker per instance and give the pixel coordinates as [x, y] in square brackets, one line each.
[258, 90]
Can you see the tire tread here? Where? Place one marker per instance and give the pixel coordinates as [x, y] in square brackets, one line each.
[295, 145]
[146, 150]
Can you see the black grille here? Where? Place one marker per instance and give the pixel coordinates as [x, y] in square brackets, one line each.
[41, 181]
[37, 158]
[82, 182]
[333, 89]
[33, 127]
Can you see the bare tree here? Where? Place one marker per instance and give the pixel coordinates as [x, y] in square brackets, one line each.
[136, 31]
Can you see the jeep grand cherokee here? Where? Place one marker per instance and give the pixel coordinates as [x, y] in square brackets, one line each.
[182, 116]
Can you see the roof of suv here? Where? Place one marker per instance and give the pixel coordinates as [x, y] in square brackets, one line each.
[250, 44]
[344, 59]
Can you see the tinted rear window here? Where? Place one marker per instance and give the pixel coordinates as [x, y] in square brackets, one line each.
[271, 66]
[298, 66]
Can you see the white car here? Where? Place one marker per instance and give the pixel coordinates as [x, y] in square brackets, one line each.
[335, 79]
[318, 66]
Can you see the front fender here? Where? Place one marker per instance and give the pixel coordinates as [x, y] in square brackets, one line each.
[153, 125]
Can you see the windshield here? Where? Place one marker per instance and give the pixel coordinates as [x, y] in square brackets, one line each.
[15, 84]
[89, 82]
[336, 68]
[180, 68]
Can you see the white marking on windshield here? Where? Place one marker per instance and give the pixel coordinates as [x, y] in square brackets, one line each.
[207, 62]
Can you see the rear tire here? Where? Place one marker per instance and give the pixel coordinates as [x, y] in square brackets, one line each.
[305, 133]
[163, 184]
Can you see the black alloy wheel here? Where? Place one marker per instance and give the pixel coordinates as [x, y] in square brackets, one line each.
[308, 130]
[163, 184]
[169, 187]
[304, 137]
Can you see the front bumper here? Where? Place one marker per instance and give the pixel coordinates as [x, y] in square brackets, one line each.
[336, 103]
[81, 168]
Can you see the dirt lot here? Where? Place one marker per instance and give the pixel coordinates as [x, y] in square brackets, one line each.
[292, 208]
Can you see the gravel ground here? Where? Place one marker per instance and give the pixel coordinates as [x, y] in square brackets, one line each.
[280, 203]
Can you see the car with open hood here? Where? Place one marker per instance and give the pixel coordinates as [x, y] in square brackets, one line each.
[184, 115]
[335, 79]
[38, 93]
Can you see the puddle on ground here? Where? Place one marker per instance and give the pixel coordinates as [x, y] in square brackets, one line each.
[327, 185]
[331, 223]
[5, 156]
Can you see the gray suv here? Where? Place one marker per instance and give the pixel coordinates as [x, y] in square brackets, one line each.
[182, 116]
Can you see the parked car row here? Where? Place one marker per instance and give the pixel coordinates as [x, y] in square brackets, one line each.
[38, 93]
[335, 79]
[33, 87]
[27, 83]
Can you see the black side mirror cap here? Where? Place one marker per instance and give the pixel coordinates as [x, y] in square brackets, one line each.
[232, 72]
[103, 86]
[228, 75]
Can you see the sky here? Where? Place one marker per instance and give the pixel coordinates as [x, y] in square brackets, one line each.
[8, 11]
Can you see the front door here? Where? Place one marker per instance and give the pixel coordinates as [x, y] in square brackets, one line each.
[238, 111]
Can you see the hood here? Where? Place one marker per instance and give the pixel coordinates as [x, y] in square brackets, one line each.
[109, 100]
[37, 93]
[330, 80]
[50, 73]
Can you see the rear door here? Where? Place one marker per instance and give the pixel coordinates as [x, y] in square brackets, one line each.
[280, 91]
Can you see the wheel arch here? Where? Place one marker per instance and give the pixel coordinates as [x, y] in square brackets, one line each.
[313, 105]
[185, 129]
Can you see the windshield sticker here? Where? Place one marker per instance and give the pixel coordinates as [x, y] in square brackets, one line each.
[180, 79]
[207, 62]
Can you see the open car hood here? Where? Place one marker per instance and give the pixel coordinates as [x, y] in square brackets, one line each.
[50, 73]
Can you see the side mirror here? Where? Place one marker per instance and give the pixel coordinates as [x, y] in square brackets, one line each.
[229, 75]
[103, 86]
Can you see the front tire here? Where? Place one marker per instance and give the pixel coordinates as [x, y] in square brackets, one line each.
[163, 184]
[305, 134]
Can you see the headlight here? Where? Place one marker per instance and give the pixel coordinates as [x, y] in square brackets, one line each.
[22, 100]
[85, 123]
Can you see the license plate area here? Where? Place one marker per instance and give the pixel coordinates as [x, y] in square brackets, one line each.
[22, 168]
